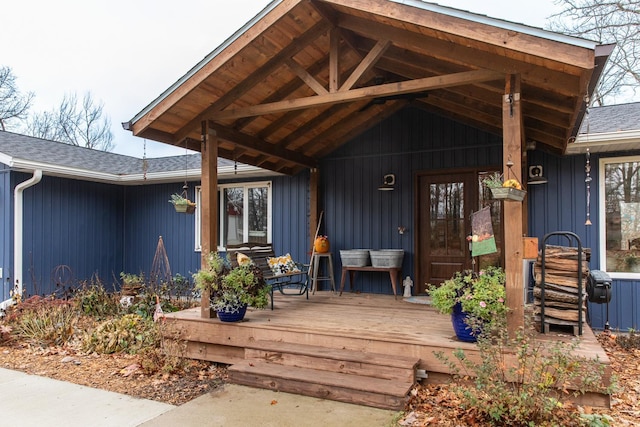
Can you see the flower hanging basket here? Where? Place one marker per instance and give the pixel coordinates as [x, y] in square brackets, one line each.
[182, 204]
[508, 193]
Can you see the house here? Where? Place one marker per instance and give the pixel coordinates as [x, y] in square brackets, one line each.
[437, 131]
[337, 95]
[90, 215]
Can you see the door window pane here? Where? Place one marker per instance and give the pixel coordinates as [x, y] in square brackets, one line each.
[447, 218]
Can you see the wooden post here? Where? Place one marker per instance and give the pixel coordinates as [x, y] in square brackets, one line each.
[513, 211]
[209, 205]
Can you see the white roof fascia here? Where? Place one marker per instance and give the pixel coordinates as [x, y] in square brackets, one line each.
[604, 139]
[224, 172]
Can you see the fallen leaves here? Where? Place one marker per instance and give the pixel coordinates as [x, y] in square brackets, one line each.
[119, 373]
[437, 405]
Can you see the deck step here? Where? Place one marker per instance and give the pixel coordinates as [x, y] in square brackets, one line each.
[398, 368]
[361, 390]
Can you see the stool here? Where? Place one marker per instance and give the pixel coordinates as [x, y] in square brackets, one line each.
[315, 278]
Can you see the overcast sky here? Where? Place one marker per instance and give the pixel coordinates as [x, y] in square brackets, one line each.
[127, 52]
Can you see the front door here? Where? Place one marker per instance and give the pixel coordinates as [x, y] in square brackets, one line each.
[446, 202]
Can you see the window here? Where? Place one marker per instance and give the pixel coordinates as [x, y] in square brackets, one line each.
[620, 210]
[244, 214]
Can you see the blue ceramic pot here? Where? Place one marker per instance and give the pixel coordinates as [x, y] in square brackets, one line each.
[462, 330]
[232, 317]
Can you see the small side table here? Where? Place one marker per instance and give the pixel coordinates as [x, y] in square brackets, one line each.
[315, 265]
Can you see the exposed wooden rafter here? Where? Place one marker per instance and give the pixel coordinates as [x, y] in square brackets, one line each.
[467, 77]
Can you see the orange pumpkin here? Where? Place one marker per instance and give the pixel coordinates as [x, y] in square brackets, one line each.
[321, 245]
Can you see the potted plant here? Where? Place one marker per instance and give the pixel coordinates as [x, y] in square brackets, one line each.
[510, 189]
[182, 204]
[231, 290]
[472, 300]
[131, 284]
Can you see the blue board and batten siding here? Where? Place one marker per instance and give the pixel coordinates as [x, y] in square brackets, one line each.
[561, 205]
[107, 229]
[149, 216]
[72, 223]
[6, 235]
[358, 215]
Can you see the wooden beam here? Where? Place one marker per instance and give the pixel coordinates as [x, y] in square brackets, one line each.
[366, 64]
[256, 77]
[467, 77]
[457, 29]
[562, 81]
[208, 205]
[334, 60]
[513, 217]
[306, 77]
[215, 61]
[263, 147]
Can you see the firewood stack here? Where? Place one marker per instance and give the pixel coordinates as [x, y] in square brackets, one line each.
[561, 286]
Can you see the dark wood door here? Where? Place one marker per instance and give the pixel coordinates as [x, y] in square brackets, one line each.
[445, 206]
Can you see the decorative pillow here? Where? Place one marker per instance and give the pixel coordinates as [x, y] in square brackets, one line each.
[243, 259]
[282, 265]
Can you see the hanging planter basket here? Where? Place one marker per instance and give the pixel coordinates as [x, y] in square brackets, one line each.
[182, 204]
[508, 193]
[185, 208]
[509, 189]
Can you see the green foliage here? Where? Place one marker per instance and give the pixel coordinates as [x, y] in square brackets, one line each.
[44, 322]
[231, 288]
[493, 181]
[129, 333]
[482, 296]
[597, 420]
[132, 281]
[93, 300]
[517, 382]
[630, 341]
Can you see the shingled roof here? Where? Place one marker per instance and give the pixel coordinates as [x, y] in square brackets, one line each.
[609, 128]
[26, 153]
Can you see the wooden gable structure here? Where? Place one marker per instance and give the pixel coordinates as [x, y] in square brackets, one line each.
[306, 76]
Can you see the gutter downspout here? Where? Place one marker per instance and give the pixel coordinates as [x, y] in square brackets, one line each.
[18, 213]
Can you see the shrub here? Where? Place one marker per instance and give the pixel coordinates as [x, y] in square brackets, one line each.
[129, 333]
[44, 322]
[93, 300]
[518, 381]
[630, 341]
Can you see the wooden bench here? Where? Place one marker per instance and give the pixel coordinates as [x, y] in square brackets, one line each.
[295, 283]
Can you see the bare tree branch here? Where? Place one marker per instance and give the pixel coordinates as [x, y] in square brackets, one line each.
[82, 125]
[607, 22]
[13, 104]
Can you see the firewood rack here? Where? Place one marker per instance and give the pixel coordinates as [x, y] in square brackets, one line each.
[570, 236]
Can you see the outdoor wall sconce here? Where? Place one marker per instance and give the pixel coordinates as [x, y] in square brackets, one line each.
[535, 175]
[388, 182]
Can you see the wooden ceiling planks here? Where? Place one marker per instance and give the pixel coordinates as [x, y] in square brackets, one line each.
[270, 88]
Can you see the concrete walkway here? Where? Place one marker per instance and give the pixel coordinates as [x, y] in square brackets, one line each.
[29, 400]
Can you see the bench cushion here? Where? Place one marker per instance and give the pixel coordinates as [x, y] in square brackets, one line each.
[282, 265]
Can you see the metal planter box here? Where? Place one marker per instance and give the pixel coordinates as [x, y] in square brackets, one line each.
[508, 193]
[387, 258]
[355, 257]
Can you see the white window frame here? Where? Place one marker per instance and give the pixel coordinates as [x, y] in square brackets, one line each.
[222, 206]
[602, 219]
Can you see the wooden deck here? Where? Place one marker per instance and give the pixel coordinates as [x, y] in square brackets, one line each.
[361, 323]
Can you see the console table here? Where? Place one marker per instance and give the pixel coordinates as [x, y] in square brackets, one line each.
[394, 273]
